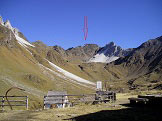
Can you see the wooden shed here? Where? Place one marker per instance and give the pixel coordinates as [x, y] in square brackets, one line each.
[56, 99]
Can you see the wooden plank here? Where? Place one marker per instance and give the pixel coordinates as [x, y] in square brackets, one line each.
[13, 101]
[56, 93]
[69, 95]
[55, 98]
[146, 96]
[3, 103]
[14, 105]
[27, 103]
[139, 99]
[13, 96]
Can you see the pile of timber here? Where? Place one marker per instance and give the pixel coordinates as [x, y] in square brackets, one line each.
[154, 100]
[105, 96]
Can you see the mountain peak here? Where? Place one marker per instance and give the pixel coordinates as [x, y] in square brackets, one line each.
[39, 43]
[151, 42]
[1, 20]
[90, 45]
[8, 24]
[109, 53]
[111, 44]
[59, 49]
[159, 38]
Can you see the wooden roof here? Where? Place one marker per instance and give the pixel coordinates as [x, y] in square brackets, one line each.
[55, 97]
[56, 93]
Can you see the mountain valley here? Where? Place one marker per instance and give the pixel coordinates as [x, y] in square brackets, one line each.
[38, 68]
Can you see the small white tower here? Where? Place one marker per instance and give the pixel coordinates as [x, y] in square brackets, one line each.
[99, 85]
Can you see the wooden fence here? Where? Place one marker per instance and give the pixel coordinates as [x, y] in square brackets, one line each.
[72, 99]
[13, 101]
[75, 99]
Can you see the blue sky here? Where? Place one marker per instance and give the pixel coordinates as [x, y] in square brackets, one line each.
[128, 23]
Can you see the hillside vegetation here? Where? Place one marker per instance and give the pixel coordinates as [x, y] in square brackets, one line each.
[28, 67]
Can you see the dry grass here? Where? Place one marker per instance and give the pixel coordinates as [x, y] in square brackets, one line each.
[56, 114]
[66, 113]
[117, 111]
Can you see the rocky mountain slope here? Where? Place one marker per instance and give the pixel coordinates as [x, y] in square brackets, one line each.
[143, 66]
[132, 64]
[38, 68]
[109, 53]
[25, 65]
[82, 53]
[77, 54]
[92, 53]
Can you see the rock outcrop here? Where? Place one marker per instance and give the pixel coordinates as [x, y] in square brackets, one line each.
[109, 53]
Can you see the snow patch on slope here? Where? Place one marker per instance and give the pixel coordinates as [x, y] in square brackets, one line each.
[107, 54]
[15, 31]
[68, 80]
[102, 58]
[70, 75]
[23, 42]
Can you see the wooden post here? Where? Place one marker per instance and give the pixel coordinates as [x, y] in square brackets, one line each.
[3, 103]
[112, 97]
[44, 102]
[83, 99]
[27, 102]
[62, 101]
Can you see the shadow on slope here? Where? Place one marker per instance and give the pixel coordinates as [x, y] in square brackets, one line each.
[136, 113]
